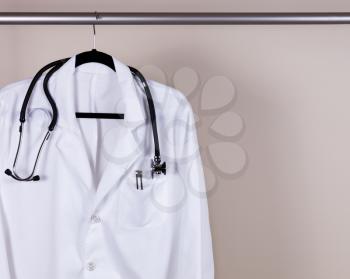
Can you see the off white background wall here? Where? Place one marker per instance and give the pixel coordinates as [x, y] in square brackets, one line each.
[277, 160]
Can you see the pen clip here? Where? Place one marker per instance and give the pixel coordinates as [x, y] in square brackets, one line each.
[139, 184]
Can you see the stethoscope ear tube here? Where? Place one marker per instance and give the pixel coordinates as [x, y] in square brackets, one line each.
[48, 95]
[55, 66]
[22, 118]
[157, 166]
[31, 177]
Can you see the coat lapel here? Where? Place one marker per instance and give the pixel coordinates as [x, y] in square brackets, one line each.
[74, 154]
[69, 138]
[121, 153]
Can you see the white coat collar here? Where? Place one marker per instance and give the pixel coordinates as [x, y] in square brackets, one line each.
[69, 140]
[64, 94]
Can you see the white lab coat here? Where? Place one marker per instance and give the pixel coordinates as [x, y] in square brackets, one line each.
[85, 218]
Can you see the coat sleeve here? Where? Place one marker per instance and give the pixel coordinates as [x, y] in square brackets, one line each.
[5, 261]
[196, 242]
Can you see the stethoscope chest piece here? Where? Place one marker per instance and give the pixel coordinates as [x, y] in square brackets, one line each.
[157, 167]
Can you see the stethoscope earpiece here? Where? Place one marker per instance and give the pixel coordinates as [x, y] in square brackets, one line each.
[36, 178]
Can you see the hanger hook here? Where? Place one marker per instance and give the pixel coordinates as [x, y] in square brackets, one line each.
[94, 30]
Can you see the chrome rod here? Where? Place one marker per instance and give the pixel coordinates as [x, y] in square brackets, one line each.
[48, 18]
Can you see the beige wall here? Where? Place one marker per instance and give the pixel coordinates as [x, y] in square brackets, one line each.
[280, 191]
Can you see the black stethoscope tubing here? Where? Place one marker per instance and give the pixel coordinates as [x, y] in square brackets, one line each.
[157, 167]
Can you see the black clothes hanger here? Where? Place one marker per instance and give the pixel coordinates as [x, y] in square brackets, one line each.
[94, 56]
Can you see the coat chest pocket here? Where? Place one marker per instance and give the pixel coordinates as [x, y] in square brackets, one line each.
[149, 207]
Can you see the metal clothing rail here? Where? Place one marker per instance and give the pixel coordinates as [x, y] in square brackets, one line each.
[47, 18]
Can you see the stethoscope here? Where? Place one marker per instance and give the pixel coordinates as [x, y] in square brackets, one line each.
[157, 166]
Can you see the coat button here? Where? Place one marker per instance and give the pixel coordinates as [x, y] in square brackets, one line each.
[95, 219]
[91, 266]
